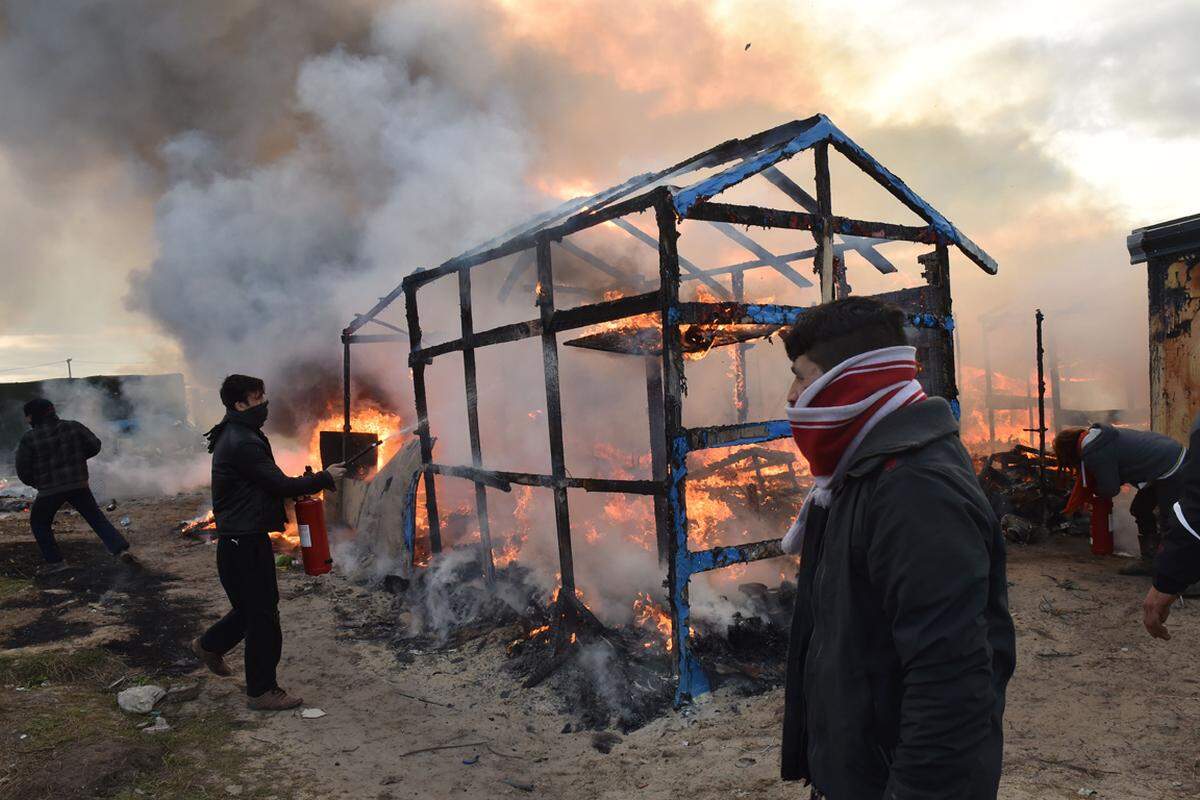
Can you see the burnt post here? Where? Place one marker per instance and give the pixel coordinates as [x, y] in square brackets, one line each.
[823, 230]
[472, 391]
[345, 392]
[1041, 429]
[417, 368]
[558, 465]
[988, 398]
[692, 680]
[741, 399]
[658, 454]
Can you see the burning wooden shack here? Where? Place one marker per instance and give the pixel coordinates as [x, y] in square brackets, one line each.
[644, 319]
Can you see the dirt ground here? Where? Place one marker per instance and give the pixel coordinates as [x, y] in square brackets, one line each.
[1095, 705]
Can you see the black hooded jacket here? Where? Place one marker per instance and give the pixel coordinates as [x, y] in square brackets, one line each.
[52, 456]
[248, 489]
[902, 644]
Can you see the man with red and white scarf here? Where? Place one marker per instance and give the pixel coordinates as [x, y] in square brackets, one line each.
[902, 644]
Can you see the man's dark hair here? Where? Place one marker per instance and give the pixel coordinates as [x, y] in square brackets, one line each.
[830, 333]
[1066, 447]
[39, 409]
[238, 388]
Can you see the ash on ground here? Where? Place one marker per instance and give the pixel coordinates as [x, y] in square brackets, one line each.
[604, 676]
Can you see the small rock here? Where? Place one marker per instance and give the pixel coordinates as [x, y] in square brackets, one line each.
[605, 741]
[746, 761]
[140, 699]
[181, 693]
[160, 726]
[1085, 792]
[312, 713]
[566, 728]
[233, 789]
[518, 785]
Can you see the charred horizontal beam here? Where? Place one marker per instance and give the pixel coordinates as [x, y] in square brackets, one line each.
[734, 435]
[800, 220]
[562, 320]
[503, 480]
[694, 271]
[719, 557]
[529, 239]
[373, 338]
[737, 314]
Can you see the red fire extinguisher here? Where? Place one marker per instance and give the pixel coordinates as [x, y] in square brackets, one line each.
[1102, 526]
[314, 538]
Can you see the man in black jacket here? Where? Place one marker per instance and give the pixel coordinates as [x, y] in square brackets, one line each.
[52, 458]
[248, 491]
[1177, 565]
[902, 644]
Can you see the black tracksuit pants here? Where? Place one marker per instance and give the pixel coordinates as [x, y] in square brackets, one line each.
[41, 520]
[246, 566]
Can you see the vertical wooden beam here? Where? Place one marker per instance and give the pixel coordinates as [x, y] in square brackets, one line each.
[692, 680]
[939, 276]
[420, 400]
[472, 389]
[741, 400]
[345, 393]
[823, 233]
[988, 399]
[658, 454]
[558, 466]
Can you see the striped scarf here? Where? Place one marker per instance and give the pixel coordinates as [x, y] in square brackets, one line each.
[837, 411]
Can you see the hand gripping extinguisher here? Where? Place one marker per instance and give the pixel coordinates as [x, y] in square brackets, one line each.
[314, 538]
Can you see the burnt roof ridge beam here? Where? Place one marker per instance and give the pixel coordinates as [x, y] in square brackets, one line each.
[910, 199]
[719, 154]
[697, 273]
[362, 319]
[819, 130]
[780, 266]
[525, 241]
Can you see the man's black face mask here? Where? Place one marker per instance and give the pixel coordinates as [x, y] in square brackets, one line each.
[257, 415]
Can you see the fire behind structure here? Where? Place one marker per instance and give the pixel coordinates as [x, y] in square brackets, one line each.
[678, 195]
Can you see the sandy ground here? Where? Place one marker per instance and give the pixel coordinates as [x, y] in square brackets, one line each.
[1095, 705]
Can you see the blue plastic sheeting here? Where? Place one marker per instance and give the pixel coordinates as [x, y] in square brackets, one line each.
[931, 321]
[410, 517]
[772, 429]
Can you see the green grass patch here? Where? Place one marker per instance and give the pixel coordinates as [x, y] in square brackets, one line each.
[90, 666]
[13, 586]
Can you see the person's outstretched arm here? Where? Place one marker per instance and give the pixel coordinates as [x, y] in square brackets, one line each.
[255, 464]
[929, 560]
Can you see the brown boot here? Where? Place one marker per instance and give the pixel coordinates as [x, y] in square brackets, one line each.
[274, 700]
[214, 661]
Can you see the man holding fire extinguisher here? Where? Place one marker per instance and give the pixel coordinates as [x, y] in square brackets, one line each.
[248, 491]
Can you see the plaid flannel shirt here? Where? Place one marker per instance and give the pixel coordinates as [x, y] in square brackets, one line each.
[53, 456]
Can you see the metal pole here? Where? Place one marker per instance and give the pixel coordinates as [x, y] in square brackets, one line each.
[1041, 370]
[69, 375]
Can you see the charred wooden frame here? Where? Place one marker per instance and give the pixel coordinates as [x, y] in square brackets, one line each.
[928, 308]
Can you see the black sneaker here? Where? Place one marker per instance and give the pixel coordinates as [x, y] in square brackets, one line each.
[128, 559]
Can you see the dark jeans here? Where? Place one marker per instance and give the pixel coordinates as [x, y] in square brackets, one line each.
[41, 520]
[246, 566]
[1152, 510]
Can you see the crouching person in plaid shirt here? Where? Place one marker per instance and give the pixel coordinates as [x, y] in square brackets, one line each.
[52, 458]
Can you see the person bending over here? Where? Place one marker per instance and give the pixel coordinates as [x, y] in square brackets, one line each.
[902, 644]
[248, 491]
[52, 457]
[1107, 458]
